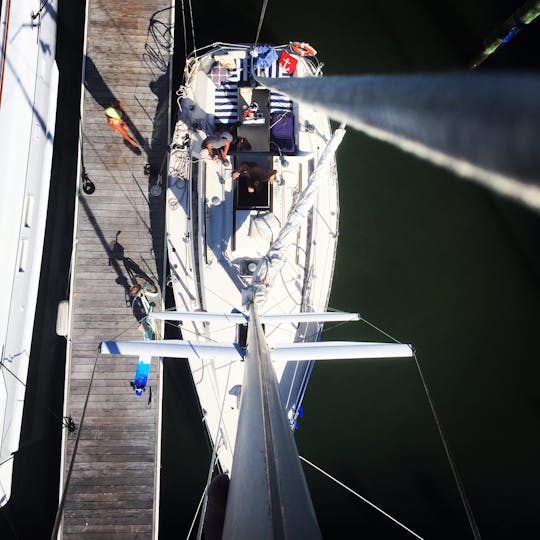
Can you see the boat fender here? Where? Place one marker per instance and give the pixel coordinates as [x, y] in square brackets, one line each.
[214, 517]
[302, 49]
[62, 318]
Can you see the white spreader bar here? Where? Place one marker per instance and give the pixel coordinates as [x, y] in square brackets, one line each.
[240, 318]
[174, 348]
[328, 350]
[342, 350]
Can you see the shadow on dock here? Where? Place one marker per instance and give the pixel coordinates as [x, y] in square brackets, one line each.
[130, 275]
[157, 59]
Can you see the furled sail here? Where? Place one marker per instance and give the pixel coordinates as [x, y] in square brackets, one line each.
[270, 264]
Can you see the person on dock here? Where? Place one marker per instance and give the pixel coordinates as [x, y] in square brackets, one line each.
[115, 122]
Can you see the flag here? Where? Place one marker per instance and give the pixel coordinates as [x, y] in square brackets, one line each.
[287, 62]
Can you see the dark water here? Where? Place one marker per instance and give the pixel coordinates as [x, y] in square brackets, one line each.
[432, 259]
[436, 262]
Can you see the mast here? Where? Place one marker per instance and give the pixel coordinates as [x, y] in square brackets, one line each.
[482, 126]
[268, 495]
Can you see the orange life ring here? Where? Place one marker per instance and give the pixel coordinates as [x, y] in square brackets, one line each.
[303, 49]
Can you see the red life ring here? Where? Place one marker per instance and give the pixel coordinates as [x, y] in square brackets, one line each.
[303, 49]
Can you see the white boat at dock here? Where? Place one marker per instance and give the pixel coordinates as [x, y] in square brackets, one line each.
[217, 232]
[28, 92]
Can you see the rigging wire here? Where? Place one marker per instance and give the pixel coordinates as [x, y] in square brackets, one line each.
[213, 459]
[335, 326]
[187, 330]
[9, 458]
[359, 496]
[60, 510]
[381, 331]
[3, 366]
[221, 297]
[449, 456]
[196, 513]
[41, 8]
[192, 29]
[455, 472]
[185, 33]
[263, 11]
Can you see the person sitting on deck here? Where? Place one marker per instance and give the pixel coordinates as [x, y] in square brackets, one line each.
[256, 176]
[216, 146]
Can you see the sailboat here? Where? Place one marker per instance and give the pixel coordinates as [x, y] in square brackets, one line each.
[231, 229]
[28, 92]
[251, 261]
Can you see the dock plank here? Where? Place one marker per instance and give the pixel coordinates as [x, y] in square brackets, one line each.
[119, 233]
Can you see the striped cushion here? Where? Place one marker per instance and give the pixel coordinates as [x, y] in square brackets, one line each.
[226, 96]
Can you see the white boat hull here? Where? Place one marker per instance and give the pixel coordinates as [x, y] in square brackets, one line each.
[29, 81]
[212, 243]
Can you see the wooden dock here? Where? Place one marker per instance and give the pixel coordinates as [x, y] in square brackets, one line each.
[113, 489]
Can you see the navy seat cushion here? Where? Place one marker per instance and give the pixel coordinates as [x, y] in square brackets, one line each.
[282, 131]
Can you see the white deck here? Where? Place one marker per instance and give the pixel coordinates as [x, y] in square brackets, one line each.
[27, 116]
[210, 243]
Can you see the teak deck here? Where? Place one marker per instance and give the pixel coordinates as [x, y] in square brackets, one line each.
[119, 233]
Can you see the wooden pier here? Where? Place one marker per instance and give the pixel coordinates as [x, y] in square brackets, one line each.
[114, 485]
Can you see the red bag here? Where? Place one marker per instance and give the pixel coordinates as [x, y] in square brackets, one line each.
[287, 62]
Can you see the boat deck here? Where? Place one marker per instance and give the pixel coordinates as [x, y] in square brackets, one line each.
[217, 232]
[114, 487]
